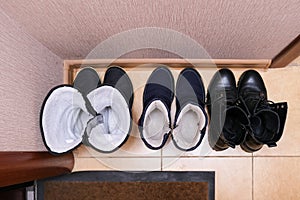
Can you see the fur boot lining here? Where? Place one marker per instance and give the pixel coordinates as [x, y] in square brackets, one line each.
[190, 122]
[64, 119]
[113, 120]
[156, 123]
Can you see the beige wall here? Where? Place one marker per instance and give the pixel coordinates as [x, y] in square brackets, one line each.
[27, 71]
[225, 28]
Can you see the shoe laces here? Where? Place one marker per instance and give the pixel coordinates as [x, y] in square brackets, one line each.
[258, 98]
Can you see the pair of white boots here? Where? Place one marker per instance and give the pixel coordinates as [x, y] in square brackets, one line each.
[98, 115]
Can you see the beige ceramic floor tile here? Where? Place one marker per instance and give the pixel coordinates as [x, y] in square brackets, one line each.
[283, 85]
[134, 147]
[276, 178]
[89, 164]
[288, 145]
[233, 175]
[203, 150]
[117, 164]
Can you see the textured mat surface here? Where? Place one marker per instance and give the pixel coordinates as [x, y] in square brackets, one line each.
[126, 190]
[123, 185]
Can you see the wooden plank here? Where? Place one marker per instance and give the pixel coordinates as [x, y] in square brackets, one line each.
[72, 66]
[20, 167]
[261, 63]
[287, 55]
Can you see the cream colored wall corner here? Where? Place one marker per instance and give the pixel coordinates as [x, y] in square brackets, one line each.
[28, 71]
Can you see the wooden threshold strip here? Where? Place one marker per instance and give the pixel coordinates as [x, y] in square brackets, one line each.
[127, 62]
[71, 66]
[287, 55]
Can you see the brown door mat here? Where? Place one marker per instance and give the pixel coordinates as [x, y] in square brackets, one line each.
[128, 185]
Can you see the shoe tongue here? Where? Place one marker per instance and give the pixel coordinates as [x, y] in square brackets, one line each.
[255, 100]
[255, 123]
[231, 95]
[252, 104]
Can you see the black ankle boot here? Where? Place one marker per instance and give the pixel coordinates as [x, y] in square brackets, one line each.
[265, 122]
[228, 122]
[190, 118]
[155, 121]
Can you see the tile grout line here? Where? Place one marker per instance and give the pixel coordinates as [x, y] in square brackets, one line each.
[252, 177]
[161, 160]
[160, 156]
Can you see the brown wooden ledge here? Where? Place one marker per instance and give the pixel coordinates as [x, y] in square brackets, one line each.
[19, 167]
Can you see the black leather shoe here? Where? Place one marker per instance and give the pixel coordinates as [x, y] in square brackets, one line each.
[112, 101]
[264, 122]
[155, 121]
[228, 122]
[190, 117]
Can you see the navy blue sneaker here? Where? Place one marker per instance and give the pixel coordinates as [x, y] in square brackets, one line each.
[190, 117]
[155, 121]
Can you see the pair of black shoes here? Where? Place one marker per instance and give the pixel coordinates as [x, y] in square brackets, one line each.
[190, 121]
[90, 112]
[242, 115]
